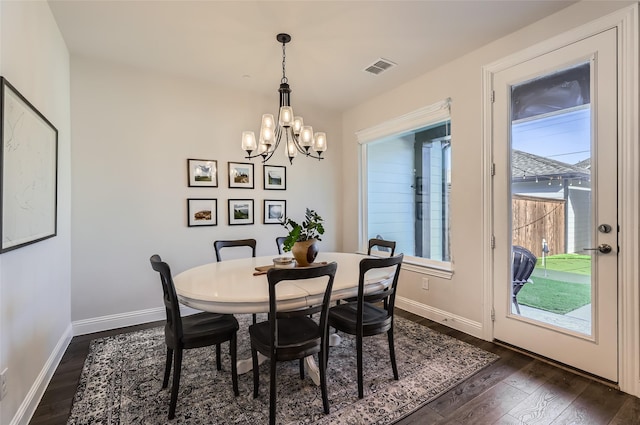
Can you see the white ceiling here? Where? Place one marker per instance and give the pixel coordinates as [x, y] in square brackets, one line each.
[233, 43]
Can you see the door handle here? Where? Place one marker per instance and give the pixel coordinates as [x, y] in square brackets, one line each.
[603, 248]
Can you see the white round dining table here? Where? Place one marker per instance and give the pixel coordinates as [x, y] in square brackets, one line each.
[231, 286]
[234, 287]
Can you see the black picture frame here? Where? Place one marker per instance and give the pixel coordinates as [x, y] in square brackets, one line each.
[241, 175]
[275, 211]
[29, 172]
[202, 172]
[240, 212]
[202, 212]
[274, 177]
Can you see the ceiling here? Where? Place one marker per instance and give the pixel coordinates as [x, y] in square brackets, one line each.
[233, 43]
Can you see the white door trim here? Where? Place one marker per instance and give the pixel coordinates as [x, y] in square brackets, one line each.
[626, 22]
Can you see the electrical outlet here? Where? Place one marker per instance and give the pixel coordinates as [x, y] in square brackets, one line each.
[3, 384]
[425, 283]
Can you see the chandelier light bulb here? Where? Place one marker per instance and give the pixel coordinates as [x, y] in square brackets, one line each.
[286, 116]
[268, 121]
[248, 141]
[266, 135]
[291, 150]
[320, 142]
[297, 125]
[306, 136]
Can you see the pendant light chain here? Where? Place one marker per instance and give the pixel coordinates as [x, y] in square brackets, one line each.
[284, 58]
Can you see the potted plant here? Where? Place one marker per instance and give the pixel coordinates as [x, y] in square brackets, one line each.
[302, 238]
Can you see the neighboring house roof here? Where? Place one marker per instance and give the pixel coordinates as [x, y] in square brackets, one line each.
[527, 165]
[585, 163]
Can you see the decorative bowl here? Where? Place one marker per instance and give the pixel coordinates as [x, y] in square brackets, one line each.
[283, 262]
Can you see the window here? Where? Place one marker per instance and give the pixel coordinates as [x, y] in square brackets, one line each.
[406, 185]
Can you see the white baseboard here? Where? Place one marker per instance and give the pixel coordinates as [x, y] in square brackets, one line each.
[30, 403]
[115, 321]
[453, 321]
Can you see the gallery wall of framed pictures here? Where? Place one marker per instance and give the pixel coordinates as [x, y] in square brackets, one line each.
[240, 210]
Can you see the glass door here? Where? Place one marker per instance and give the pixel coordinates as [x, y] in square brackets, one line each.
[555, 206]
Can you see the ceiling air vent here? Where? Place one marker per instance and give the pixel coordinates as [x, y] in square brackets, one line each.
[379, 66]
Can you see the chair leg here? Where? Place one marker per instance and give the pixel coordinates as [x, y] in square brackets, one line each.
[359, 365]
[256, 377]
[167, 368]
[515, 302]
[218, 357]
[392, 353]
[176, 382]
[301, 361]
[272, 392]
[322, 357]
[254, 319]
[234, 367]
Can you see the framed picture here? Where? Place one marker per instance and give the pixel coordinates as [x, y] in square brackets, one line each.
[29, 172]
[241, 175]
[203, 172]
[274, 211]
[240, 211]
[275, 177]
[202, 212]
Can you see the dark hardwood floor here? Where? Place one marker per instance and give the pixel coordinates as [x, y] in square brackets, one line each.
[517, 389]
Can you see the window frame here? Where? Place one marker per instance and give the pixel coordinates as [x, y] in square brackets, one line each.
[423, 117]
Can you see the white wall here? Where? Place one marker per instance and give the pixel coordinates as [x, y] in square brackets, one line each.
[34, 280]
[132, 133]
[457, 299]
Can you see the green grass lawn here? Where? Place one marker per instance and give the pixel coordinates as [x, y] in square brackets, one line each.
[554, 296]
[571, 263]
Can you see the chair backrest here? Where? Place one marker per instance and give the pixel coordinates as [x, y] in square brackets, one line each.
[275, 276]
[523, 263]
[280, 243]
[389, 294]
[218, 245]
[388, 246]
[171, 305]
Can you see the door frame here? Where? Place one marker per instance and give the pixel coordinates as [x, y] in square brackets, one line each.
[626, 22]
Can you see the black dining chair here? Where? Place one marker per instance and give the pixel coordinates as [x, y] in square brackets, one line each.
[280, 243]
[235, 244]
[195, 331]
[365, 316]
[293, 335]
[388, 246]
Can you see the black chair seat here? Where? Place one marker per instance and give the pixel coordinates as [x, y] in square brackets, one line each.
[204, 329]
[375, 320]
[300, 334]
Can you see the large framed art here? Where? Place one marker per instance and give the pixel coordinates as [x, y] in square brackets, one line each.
[29, 170]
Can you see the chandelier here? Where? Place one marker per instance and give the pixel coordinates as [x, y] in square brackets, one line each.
[290, 130]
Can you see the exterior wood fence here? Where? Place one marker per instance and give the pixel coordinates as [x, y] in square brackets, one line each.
[535, 219]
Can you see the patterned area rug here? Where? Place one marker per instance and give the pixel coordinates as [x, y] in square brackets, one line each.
[122, 376]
